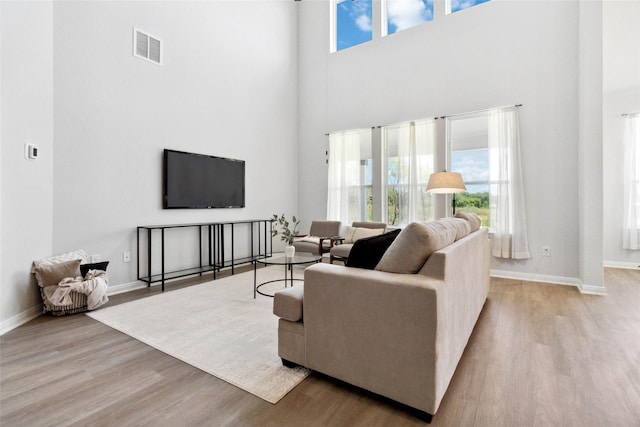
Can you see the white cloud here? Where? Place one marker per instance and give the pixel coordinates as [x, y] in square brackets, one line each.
[364, 23]
[472, 165]
[407, 13]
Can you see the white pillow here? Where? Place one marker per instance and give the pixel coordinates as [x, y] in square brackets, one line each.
[361, 232]
[355, 233]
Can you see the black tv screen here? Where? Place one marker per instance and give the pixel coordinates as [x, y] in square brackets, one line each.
[199, 181]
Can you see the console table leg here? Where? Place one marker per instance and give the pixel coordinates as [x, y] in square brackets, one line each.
[162, 238]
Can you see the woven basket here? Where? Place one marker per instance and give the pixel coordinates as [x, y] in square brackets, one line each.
[78, 305]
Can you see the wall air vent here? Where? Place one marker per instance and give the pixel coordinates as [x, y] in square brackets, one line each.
[147, 47]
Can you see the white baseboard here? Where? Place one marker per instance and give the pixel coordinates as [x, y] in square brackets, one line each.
[125, 287]
[626, 265]
[554, 280]
[592, 290]
[533, 277]
[30, 314]
[20, 319]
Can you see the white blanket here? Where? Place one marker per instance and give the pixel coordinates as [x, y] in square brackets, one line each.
[94, 287]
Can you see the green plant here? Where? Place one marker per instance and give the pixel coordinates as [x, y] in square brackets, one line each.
[287, 230]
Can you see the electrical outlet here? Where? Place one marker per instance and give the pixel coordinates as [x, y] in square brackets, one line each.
[546, 251]
[95, 258]
[126, 256]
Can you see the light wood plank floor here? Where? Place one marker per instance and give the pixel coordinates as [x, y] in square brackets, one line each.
[541, 355]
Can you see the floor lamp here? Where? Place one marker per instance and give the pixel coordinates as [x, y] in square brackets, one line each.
[446, 183]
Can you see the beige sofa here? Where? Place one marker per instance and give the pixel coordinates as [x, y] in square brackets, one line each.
[397, 334]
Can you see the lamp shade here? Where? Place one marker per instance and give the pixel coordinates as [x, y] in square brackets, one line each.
[445, 183]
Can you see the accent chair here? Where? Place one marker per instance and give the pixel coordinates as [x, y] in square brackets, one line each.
[322, 235]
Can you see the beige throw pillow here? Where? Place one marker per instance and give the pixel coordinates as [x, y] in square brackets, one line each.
[415, 243]
[48, 275]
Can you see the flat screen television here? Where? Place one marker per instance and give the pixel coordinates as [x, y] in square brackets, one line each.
[199, 181]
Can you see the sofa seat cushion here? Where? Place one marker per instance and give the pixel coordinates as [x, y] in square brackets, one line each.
[311, 243]
[367, 252]
[342, 250]
[287, 303]
[415, 243]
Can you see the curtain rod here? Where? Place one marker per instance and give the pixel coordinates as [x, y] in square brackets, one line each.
[399, 123]
[450, 115]
[479, 111]
[459, 114]
[630, 114]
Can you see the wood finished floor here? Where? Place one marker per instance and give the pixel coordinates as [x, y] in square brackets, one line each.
[540, 355]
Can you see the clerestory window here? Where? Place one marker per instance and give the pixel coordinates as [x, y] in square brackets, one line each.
[351, 23]
[403, 14]
[458, 5]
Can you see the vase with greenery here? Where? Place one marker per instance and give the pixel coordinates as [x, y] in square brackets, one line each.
[287, 230]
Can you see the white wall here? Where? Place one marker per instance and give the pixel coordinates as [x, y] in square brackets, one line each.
[26, 115]
[621, 87]
[590, 165]
[498, 53]
[227, 87]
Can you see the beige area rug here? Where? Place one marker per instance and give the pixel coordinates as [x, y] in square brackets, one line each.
[217, 327]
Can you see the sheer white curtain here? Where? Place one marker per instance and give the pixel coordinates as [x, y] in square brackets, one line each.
[631, 224]
[343, 202]
[410, 159]
[506, 195]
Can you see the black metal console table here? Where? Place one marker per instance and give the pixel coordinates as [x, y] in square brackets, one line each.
[214, 254]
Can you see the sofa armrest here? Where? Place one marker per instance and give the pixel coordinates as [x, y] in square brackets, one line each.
[373, 329]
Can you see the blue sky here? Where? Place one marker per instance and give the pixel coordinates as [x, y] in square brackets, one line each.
[354, 17]
[473, 165]
[354, 23]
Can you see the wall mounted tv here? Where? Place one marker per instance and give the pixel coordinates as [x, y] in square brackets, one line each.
[198, 181]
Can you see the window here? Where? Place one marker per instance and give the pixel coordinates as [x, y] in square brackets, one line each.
[351, 20]
[469, 155]
[485, 149]
[403, 14]
[382, 174]
[351, 23]
[409, 160]
[457, 5]
[350, 176]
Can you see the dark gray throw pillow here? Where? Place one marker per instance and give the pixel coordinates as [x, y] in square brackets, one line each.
[84, 268]
[367, 252]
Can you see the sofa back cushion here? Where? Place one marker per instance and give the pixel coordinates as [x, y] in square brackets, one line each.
[462, 226]
[370, 224]
[367, 252]
[415, 243]
[474, 220]
[324, 228]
